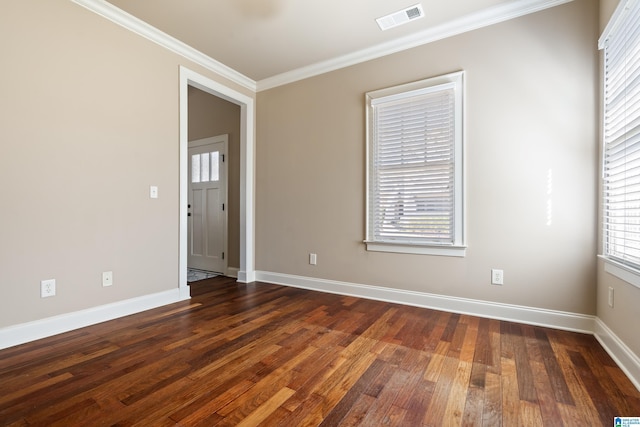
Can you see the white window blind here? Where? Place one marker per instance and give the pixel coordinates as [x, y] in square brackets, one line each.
[415, 155]
[621, 171]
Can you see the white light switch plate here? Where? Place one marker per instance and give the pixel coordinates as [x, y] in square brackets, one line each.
[153, 192]
[107, 278]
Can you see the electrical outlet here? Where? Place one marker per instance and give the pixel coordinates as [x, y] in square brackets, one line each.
[313, 259]
[47, 288]
[497, 277]
[610, 297]
[107, 278]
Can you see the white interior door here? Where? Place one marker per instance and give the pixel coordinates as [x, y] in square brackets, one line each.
[207, 204]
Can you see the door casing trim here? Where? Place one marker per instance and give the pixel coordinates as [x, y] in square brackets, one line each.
[246, 273]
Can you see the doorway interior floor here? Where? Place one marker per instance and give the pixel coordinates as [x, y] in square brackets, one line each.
[193, 275]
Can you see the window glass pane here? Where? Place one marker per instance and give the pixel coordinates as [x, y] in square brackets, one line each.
[195, 168]
[621, 178]
[215, 166]
[205, 167]
[415, 149]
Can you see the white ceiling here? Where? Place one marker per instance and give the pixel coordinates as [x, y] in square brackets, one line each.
[268, 39]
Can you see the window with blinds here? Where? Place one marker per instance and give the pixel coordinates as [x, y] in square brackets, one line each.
[621, 171]
[414, 194]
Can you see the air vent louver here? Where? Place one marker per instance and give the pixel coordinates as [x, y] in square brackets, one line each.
[400, 17]
[414, 13]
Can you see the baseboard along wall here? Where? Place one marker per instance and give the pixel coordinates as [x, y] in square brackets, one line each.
[628, 361]
[38, 329]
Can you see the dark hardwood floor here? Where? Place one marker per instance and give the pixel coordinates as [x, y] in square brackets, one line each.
[262, 354]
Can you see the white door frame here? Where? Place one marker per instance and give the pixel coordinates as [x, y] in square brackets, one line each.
[247, 272]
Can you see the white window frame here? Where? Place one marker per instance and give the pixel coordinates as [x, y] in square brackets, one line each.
[457, 246]
[620, 130]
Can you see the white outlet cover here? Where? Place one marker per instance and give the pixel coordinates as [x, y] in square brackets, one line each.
[497, 277]
[47, 288]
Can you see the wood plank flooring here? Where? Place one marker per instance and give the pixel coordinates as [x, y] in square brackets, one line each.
[260, 354]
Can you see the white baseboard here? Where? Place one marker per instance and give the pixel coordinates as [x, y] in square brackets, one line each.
[626, 359]
[246, 276]
[31, 331]
[514, 313]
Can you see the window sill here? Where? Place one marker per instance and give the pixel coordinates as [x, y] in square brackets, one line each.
[621, 271]
[403, 248]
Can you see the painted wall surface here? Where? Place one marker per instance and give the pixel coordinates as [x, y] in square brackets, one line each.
[212, 116]
[622, 318]
[531, 166]
[88, 121]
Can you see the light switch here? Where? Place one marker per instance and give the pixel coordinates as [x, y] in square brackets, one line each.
[153, 192]
[107, 278]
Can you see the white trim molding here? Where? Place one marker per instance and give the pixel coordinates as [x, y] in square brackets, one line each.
[624, 357]
[247, 169]
[37, 329]
[484, 18]
[514, 313]
[454, 251]
[136, 25]
[621, 271]
[474, 21]
[621, 354]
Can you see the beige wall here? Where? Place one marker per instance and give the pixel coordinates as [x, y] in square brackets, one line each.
[212, 116]
[531, 105]
[88, 121]
[622, 317]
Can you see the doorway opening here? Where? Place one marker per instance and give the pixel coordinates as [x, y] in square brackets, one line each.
[188, 78]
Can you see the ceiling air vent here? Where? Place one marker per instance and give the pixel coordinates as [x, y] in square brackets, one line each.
[400, 17]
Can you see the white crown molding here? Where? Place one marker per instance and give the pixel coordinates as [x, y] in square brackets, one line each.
[484, 18]
[626, 359]
[131, 23]
[31, 331]
[514, 313]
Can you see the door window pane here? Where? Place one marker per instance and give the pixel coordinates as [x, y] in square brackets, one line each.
[205, 167]
[215, 166]
[195, 168]
[204, 173]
